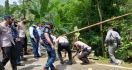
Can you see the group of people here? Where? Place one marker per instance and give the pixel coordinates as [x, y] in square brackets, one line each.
[13, 38]
[13, 42]
[45, 38]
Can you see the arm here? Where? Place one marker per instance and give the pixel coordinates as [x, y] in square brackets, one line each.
[31, 33]
[46, 35]
[118, 36]
[75, 54]
[56, 41]
[107, 36]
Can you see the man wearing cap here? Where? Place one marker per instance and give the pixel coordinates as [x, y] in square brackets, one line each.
[83, 50]
[34, 36]
[8, 43]
[63, 43]
[48, 44]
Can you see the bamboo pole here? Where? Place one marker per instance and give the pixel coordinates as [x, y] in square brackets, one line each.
[99, 23]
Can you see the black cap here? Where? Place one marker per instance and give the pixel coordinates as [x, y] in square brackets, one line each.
[48, 23]
[7, 17]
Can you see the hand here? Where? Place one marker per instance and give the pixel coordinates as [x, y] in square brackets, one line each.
[35, 40]
[53, 47]
[73, 57]
[17, 39]
[105, 45]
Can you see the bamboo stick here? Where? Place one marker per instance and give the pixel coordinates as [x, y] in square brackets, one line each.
[102, 22]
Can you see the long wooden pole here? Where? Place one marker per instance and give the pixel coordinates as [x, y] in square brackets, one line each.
[99, 23]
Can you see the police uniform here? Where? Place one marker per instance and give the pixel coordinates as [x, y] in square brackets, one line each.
[63, 43]
[50, 51]
[8, 49]
[17, 44]
[84, 50]
[112, 46]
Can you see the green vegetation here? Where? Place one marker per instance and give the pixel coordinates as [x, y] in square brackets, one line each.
[69, 15]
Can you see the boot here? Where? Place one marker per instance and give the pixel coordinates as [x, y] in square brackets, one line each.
[55, 68]
[45, 69]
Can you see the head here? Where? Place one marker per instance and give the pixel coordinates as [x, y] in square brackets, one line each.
[110, 28]
[8, 20]
[50, 25]
[75, 46]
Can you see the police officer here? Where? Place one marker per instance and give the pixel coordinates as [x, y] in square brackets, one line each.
[1, 65]
[8, 49]
[112, 44]
[34, 36]
[48, 44]
[63, 43]
[17, 43]
[83, 50]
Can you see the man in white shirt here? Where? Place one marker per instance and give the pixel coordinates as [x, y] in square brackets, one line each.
[83, 50]
[8, 49]
[111, 41]
[34, 36]
[22, 33]
[63, 43]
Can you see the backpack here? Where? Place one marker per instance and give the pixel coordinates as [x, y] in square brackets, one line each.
[113, 40]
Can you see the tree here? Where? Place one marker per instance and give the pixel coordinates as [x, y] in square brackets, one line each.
[7, 7]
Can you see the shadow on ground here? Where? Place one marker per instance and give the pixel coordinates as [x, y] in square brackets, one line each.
[65, 66]
[30, 67]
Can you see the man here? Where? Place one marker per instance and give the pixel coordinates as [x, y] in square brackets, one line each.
[39, 29]
[17, 42]
[83, 50]
[22, 34]
[48, 44]
[111, 40]
[34, 36]
[8, 49]
[1, 65]
[63, 43]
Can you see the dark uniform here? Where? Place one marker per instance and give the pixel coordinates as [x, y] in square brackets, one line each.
[50, 51]
[35, 43]
[83, 50]
[64, 44]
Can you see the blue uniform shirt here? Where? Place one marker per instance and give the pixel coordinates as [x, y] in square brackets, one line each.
[14, 32]
[35, 33]
[45, 29]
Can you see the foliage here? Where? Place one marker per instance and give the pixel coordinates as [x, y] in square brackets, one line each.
[69, 14]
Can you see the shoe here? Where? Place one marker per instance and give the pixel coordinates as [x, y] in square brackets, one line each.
[45, 69]
[55, 68]
[24, 59]
[26, 53]
[84, 63]
[35, 59]
[20, 64]
[119, 62]
[62, 62]
[70, 63]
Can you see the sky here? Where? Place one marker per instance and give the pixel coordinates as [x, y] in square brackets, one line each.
[10, 1]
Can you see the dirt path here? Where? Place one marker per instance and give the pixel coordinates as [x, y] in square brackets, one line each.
[31, 64]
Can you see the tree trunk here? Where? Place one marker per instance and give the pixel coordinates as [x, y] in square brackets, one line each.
[101, 29]
[7, 7]
[24, 11]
